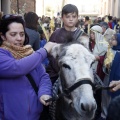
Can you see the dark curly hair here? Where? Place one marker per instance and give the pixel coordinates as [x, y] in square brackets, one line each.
[6, 21]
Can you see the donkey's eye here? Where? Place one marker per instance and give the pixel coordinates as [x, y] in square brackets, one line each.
[66, 66]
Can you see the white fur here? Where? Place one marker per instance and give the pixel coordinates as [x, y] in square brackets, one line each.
[79, 59]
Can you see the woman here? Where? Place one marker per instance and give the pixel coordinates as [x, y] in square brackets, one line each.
[18, 100]
[111, 64]
[98, 47]
[115, 67]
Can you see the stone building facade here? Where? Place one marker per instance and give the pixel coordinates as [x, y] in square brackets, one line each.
[110, 7]
[17, 6]
[5, 6]
[23, 6]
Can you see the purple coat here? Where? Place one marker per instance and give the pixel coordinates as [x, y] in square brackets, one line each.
[18, 100]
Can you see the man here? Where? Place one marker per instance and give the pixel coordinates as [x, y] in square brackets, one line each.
[107, 32]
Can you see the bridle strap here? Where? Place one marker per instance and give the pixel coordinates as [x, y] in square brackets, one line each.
[76, 85]
[67, 91]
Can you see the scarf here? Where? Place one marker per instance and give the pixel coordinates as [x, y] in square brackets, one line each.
[109, 57]
[16, 51]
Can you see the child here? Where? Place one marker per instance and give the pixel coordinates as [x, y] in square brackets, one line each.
[70, 19]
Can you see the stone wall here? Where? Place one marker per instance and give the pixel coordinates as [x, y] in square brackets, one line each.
[24, 6]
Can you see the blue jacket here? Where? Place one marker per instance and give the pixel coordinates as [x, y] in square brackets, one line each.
[18, 100]
[115, 68]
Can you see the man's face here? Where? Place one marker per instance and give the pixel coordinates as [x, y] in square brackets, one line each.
[70, 20]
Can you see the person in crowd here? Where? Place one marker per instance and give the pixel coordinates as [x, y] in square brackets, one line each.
[112, 77]
[98, 48]
[70, 19]
[1, 14]
[99, 19]
[43, 41]
[110, 18]
[114, 109]
[57, 23]
[107, 32]
[31, 21]
[18, 99]
[115, 67]
[86, 24]
[118, 26]
[114, 23]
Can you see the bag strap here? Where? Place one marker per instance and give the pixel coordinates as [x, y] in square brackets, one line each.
[78, 33]
[32, 82]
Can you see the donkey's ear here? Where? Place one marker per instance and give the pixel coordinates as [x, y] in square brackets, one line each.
[84, 40]
[56, 50]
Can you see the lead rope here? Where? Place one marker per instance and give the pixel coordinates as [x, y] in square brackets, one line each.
[52, 107]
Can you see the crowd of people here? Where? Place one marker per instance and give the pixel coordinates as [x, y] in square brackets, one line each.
[28, 71]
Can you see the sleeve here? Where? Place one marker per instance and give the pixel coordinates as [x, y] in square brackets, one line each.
[10, 67]
[45, 85]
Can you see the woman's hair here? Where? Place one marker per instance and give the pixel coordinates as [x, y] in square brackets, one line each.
[31, 20]
[87, 18]
[69, 8]
[6, 21]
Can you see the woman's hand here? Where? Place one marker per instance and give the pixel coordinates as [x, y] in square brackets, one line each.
[48, 46]
[43, 98]
[115, 85]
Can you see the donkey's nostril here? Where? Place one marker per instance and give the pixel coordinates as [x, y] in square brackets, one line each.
[88, 107]
[82, 106]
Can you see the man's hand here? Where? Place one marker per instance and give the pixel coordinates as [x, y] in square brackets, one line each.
[115, 85]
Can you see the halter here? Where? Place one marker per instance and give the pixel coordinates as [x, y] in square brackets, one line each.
[66, 92]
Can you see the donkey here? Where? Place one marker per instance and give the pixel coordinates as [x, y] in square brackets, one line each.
[75, 60]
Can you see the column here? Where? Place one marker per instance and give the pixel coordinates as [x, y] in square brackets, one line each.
[6, 6]
[118, 9]
[0, 5]
[112, 8]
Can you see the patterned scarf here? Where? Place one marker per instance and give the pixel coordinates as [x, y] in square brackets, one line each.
[109, 57]
[16, 51]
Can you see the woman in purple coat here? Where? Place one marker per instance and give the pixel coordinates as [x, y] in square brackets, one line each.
[18, 100]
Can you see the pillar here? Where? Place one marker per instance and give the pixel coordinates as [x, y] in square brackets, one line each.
[6, 6]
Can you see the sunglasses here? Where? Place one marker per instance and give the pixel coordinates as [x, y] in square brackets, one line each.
[11, 16]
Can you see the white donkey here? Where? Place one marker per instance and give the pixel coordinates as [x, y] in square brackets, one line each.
[75, 65]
